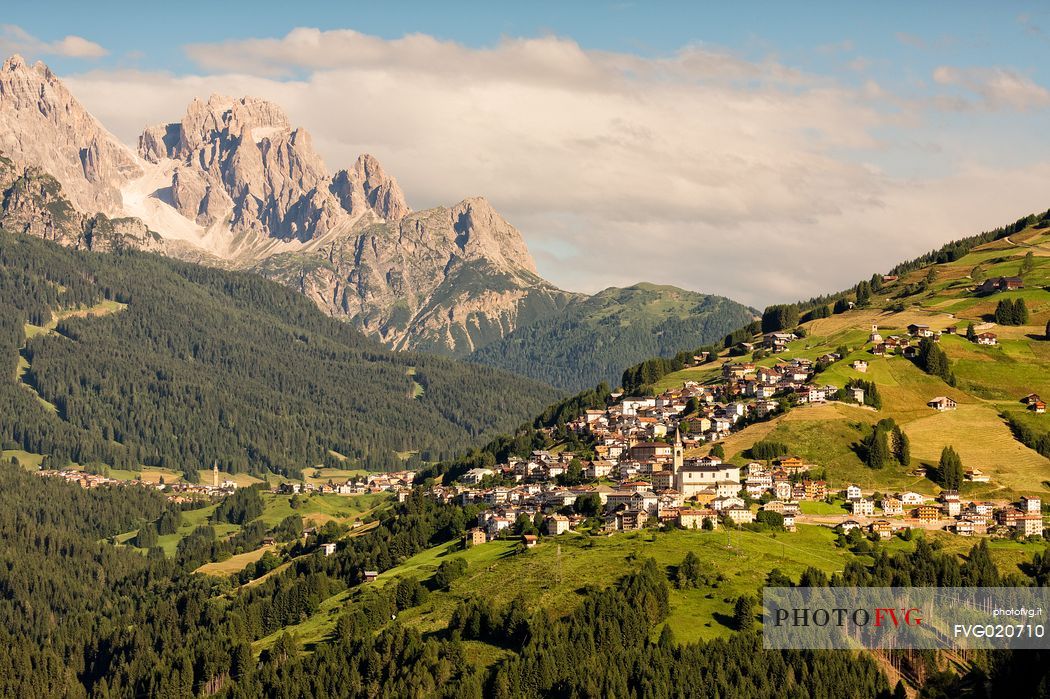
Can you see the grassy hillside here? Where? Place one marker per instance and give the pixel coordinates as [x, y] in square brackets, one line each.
[554, 574]
[990, 380]
[593, 338]
[133, 360]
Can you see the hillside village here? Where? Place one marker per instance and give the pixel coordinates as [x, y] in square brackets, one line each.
[658, 460]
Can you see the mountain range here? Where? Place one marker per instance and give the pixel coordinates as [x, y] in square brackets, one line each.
[233, 184]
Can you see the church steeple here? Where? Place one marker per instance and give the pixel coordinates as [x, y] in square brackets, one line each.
[678, 451]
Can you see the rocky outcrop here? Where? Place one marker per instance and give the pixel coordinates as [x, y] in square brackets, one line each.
[43, 125]
[447, 280]
[32, 202]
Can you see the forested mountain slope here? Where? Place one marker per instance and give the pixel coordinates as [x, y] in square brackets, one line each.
[138, 359]
[594, 337]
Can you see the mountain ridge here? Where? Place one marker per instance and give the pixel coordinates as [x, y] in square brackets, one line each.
[234, 184]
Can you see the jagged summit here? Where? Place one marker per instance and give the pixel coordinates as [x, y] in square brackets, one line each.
[234, 182]
[43, 125]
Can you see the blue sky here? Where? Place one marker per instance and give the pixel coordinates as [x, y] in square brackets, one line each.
[839, 137]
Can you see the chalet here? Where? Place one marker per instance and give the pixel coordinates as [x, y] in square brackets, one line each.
[919, 330]
[738, 514]
[732, 370]
[892, 506]
[849, 525]
[879, 350]
[975, 475]
[926, 513]
[557, 524]
[911, 352]
[371, 575]
[942, 403]
[881, 528]
[1030, 398]
[990, 286]
[529, 540]
[987, 338]
[815, 490]
[792, 464]
[860, 365]
[952, 330]
[910, 498]
[1037, 407]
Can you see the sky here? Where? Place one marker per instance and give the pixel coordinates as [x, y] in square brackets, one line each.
[766, 151]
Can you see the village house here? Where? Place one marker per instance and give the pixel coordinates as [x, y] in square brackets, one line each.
[789, 522]
[987, 338]
[892, 506]
[926, 513]
[852, 492]
[976, 475]
[782, 490]
[860, 365]
[328, 549]
[738, 514]
[815, 490]
[882, 528]
[919, 330]
[694, 519]
[862, 507]
[557, 524]
[849, 525]
[1031, 504]
[475, 475]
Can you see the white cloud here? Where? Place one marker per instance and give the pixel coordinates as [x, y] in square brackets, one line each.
[997, 88]
[702, 169]
[14, 39]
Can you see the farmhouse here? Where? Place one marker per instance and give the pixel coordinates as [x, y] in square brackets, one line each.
[860, 365]
[694, 519]
[990, 286]
[987, 338]
[919, 330]
[942, 403]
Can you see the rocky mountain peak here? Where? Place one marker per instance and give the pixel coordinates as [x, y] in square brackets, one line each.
[42, 124]
[482, 233]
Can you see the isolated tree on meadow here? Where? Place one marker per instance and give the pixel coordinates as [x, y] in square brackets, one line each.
[744, 613]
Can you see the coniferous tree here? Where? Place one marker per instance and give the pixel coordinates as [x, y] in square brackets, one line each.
[901, 446]
[950, 469]
[744, 613]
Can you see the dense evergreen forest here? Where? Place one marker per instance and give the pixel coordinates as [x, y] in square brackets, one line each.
[84, 618]
[592, 339]
[182, 366]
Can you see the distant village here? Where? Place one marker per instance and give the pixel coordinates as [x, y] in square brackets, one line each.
[399, 483]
